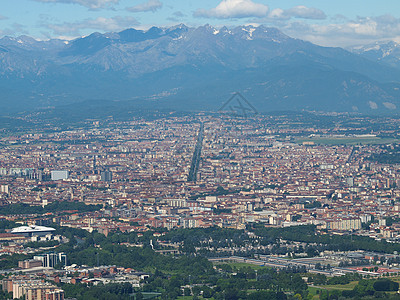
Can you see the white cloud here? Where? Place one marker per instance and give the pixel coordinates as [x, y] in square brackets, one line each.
[3, 18]
[150, 5]
[92, 4]
[102, 24]
[368, 28]
[360, 31]
[234, 9]
[247, 8]
[277, 13]
[301, 12]
[306, 13]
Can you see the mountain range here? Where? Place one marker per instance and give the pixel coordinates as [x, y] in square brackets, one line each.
[197, 69]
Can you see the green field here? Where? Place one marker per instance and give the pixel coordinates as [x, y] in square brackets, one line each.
[312, 290]
[348, 140]
[314, 294]
[150, 295]
[341, 287]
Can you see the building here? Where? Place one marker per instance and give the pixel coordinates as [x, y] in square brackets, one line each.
[19, 287]
[7, 284]
[344, 224]
[32, 230]
[10, 237]
[29, 263]
[106, 175]
[52, 259]
[44, 292]
[350, 181]
[176, 202]
[56, 294]
[36, 290]
[4, 188]
[59, 175]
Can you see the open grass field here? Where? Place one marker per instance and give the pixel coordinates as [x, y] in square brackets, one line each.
[314, 290]
[313, 294]
[341, 287]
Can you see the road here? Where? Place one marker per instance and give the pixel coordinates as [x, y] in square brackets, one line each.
[194, 167]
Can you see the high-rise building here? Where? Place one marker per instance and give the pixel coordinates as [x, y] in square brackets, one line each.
[106, 175]
[40, 175]
[350, 181]
[52, 259]
[4, 188]
[55, 294]
[38, 291]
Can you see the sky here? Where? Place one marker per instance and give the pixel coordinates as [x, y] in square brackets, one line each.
[339, 23]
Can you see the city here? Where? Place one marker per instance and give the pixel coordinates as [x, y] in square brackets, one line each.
[188, 150]
[146, 180]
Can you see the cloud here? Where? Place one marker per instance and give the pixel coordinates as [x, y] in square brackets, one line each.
[100, 23]
[234, 9]
[179, 14]
[150, 5]
[92, 4]
[278, 14]
[176, 17]
[3, 18]
[15, 29]
[301, 12]
[306, 13]
[361, 31]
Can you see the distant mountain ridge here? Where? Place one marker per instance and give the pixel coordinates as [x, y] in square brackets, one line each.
[185, 68]
[385, 52]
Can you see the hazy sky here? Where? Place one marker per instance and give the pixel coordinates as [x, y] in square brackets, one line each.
[325, 22]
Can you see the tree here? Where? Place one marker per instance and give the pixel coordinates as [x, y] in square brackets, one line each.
[320, 279]
[385, 285]
[139, 296]
[207, 292]
[231, 294]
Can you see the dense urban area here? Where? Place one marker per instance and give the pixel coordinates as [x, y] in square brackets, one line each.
[193, 206]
